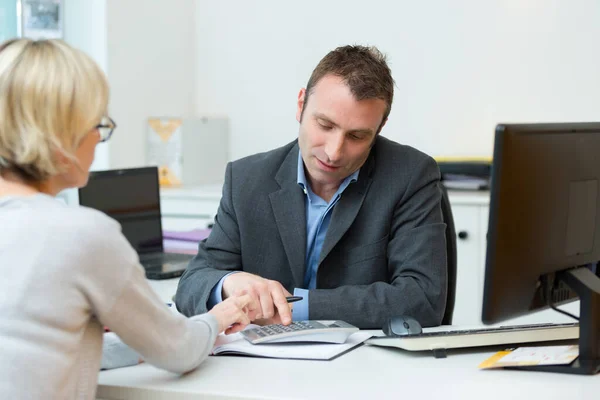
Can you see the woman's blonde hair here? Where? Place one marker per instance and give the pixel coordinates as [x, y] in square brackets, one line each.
[51, 97]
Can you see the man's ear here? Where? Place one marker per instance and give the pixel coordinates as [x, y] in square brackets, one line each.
[300, 106]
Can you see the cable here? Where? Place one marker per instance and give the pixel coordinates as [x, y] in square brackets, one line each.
[549, 296]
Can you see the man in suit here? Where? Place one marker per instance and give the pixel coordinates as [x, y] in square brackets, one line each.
[343, 217]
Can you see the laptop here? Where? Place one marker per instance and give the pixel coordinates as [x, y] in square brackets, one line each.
[131, 196]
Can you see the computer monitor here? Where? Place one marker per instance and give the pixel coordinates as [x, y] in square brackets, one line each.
[544, 228]
[130, 196]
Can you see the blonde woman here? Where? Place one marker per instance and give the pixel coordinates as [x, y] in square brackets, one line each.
[66, 271]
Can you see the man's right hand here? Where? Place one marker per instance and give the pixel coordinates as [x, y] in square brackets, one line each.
[270, 295]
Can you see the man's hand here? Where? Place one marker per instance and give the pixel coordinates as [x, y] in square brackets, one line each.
[276, 319]
[270, 296]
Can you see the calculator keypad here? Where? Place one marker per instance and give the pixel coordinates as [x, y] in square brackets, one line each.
[276, 329]
[312, 331]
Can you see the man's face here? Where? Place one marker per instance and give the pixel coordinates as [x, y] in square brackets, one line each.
[336, 131]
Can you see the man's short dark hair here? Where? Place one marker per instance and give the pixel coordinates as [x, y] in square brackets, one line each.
[363, 68]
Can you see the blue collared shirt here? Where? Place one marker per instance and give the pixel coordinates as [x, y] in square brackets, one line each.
[318, 217]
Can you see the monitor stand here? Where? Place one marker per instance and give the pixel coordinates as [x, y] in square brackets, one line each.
[587, 286]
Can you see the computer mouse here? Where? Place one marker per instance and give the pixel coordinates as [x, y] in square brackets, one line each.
[402, 325]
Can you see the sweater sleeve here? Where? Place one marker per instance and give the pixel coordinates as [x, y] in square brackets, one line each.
[162, 337]
[115, 285]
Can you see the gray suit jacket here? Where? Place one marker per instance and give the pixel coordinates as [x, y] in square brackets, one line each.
[384, 252]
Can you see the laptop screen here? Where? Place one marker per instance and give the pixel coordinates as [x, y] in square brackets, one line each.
[130, 196]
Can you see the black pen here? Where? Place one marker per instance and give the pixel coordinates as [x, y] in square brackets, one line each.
[293, 299]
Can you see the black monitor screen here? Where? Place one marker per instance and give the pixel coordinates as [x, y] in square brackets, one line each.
[544, 213]
[130, 196]
[544, 228]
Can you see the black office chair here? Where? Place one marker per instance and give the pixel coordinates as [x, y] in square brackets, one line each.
[451, 256]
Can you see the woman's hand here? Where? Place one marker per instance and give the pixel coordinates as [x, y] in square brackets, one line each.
[235, 313]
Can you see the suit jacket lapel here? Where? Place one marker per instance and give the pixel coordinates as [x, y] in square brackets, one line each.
[289, 209]
[347, 208]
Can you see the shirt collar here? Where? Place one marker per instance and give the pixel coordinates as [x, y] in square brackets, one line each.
[302, 177]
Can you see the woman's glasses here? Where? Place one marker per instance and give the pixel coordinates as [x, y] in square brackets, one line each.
[106, 127]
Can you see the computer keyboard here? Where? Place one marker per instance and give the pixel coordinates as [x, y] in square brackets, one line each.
[498, 329]
[448, 337]
[301, 331]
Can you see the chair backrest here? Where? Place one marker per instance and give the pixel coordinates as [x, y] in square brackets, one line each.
[451, 256]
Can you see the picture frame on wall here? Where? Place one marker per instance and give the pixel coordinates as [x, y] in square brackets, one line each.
[42, 19]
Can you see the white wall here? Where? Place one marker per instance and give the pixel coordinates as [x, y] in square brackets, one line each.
[8, 19]
[147, 50]
[460, 66]
[85, 28]
[151, 69]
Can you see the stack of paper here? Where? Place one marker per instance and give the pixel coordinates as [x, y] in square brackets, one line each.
[466, 182]
[527, 356]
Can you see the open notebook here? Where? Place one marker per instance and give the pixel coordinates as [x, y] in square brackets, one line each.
[236, 345]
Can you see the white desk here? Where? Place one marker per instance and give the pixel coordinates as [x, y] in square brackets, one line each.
[165, 288]
[367, 372]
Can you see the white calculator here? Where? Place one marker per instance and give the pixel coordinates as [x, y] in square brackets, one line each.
[301, 331]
